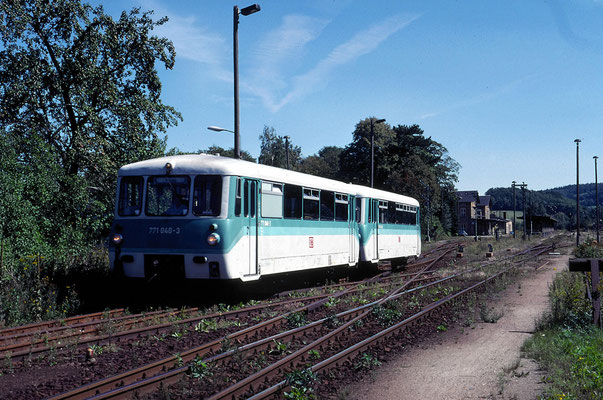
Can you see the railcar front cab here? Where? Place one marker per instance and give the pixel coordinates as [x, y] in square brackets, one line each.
[161, 230]
[169, 226]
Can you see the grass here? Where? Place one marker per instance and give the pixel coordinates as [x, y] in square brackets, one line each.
[573, 360]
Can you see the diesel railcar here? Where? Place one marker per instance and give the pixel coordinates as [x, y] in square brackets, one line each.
[210, 217]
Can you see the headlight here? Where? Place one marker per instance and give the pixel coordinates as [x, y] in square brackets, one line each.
[117, 239]
[213, 239]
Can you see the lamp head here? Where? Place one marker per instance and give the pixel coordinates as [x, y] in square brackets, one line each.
[252, 9]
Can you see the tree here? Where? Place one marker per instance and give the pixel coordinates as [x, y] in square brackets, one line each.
[356, 157]
[79, 97]
[272, 150]
[84, 88]
[406, 162]
[325, 163]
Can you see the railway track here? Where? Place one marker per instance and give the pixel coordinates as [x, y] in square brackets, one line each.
[318, 332]
[110, 326]
[161, 375]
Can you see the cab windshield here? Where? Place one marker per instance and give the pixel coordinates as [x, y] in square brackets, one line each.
[168, 196]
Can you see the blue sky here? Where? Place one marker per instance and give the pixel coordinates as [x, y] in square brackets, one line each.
[505, 86]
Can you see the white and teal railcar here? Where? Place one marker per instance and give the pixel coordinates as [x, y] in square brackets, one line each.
[388, 225]
[210, 217]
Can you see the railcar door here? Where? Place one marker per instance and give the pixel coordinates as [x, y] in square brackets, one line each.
[375, 210]
[251, 213]
[352, 226]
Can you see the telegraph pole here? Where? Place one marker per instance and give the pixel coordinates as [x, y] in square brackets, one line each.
[523, 195]
[523, 187]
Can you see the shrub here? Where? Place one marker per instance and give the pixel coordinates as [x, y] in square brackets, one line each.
[589, 249]
[569, 306]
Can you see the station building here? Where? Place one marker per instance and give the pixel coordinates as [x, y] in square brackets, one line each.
[475, 213]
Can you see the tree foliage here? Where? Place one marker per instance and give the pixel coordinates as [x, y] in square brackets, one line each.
[406, 162]
[273, 150]
[560, 203]
[83, 86]
[325, 163]
[79, 97]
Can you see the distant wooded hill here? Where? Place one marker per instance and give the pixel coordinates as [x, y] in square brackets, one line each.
[560, 203]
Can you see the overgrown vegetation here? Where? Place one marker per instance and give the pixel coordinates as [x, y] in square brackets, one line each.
[566, 343]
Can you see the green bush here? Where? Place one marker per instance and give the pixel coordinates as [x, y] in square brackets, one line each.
[569, 305]
[589, 249]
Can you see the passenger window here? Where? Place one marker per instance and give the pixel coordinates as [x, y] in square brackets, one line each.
[358, 208]
[207, 195]
[382, 212]
[293, 201]
[391, 212]
[311, 204]
[272, 200]
[341, 207]
[130, 196]
[399, 213]
[327, 201]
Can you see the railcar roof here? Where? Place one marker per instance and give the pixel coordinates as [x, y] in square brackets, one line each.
[364, 191]
[217, 165]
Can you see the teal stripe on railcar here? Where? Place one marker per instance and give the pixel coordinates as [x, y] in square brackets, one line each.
[367, 231]
[180, 235]
[295, 227]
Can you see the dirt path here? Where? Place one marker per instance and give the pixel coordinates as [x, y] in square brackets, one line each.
[478, 362]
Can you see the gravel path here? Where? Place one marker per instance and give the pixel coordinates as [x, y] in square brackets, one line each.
[481, 361]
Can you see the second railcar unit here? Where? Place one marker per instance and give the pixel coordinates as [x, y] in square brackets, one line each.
[210, 217]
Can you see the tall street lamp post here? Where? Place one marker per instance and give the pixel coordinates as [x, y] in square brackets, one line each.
[514, 226]
[577, 191]
[373, 121]
[245, 11]
[597, 196]
[287, 150]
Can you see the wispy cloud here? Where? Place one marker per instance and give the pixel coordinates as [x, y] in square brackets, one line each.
[362, 43]
[480, 98]
[278, 51]
[193, 42]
